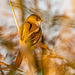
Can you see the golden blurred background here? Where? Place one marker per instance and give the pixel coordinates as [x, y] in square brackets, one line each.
[58, 33]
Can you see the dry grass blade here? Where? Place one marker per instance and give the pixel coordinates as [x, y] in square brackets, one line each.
[14, 15]
[8, 66]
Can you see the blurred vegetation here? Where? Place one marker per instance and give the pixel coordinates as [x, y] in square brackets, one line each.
[58, 33]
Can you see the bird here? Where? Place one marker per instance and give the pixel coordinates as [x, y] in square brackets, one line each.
[29, 35]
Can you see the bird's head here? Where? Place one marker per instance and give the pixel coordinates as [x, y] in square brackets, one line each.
[33, 18]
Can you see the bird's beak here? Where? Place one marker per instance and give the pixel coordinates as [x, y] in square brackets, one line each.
[41, 20]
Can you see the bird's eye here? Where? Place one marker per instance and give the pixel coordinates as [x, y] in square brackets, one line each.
[37, 19]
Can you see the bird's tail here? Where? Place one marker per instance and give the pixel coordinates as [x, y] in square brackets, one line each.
[18, 60]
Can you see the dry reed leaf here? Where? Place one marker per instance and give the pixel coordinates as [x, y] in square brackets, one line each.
[65, 44]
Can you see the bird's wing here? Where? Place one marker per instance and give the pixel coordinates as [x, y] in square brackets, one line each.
[35, 36]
